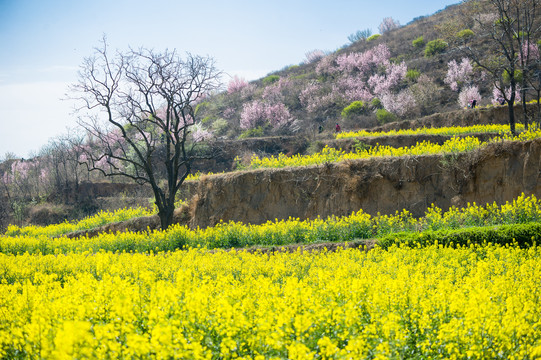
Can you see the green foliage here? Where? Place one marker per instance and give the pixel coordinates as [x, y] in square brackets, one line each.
[207, 119]
[355, 108]
[413, 74]
[435, 47]
[300, 76]
[220, 126]
[507, 78]
[373, 37]
[465, 34]
[360, 146]
[522, 234]
[201, 106]
[376, 103]
[419, 42]
[270, 79]
[255, 132]
[385, 116]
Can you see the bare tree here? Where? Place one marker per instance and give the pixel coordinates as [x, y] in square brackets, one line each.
[507, 26]
[138, 109]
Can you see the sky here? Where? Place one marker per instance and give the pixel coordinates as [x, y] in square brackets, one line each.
[43, 43]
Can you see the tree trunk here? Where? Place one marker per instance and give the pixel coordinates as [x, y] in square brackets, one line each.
[511, 110]
[538, 108]
[166, 216]
[524, 109]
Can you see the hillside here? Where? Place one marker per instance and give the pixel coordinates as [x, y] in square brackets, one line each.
[381, 83]
[391, 74]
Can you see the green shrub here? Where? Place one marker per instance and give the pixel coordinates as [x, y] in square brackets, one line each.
[207, 119]
[385, 116]
[355, 108]
[413, 74]
[419, 42]
[201, 106]
[507, 78]
[376, 103]
[270, 79]
[220, 126]
[255, 132]
[522, 234]
[435, 47]
[465, 34]
[373, 37]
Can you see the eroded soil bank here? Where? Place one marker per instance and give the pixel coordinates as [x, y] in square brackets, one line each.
[499, 172]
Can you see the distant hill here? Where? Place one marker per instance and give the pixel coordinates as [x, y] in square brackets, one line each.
[391, 74]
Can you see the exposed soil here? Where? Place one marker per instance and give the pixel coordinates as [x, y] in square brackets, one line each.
[497, 173]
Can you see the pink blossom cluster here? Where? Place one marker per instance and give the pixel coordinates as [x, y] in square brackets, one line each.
[401, 103]
[498, 96]
[200, 134]
[529, 51]
[467, 94]
[365, 61]
[229, 113]
[314, 55]
[458, 74]
[21, 168]
[276, 92]
[314, 97]
[236, 85]
[353, 88]
[257, 113]
[388, 24]
[7, 178]
[326, 66]
[384, 83]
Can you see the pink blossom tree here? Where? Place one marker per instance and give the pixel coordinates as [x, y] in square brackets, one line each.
[401, 103]
[467, 94]
[236, 85]
[258, 113]
[392, 77]
[499, 97]
[459, 74]
[388, 24]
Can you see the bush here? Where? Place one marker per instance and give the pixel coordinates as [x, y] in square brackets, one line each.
[385, 116]
[373, 37]
[413, 74]
[376, 103]
[465, 34]
[419, 42]
[522, 234]
[255, 132]
[220, 126]
[355, 108]
[435, 47]
[270, 79]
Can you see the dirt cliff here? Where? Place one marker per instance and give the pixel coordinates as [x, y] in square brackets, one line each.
[499, 172]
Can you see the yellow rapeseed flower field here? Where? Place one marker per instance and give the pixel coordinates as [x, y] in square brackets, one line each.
[444, 130]
[480, 301]
[327, 154]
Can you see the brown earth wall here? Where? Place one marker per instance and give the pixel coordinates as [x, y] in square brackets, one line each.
[499, 172]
